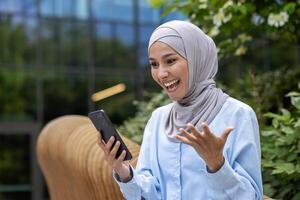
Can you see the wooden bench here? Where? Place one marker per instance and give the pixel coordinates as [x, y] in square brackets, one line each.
[72, 162]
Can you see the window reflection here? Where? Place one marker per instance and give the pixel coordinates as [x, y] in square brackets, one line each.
[113, 10]
[125, 34]
[46, 7]
[29, 7]
[31, 45]
[47, 42]
[148, 14]
[143, 56]
[81, 9]
[103, 45]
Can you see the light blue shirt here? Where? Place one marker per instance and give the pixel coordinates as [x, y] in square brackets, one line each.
[173, 171]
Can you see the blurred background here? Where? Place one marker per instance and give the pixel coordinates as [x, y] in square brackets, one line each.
[55, 54]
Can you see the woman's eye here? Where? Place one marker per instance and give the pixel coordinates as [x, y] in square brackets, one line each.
[171, 61]
[153, 64]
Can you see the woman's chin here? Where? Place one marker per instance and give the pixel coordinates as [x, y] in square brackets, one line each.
[173, 97]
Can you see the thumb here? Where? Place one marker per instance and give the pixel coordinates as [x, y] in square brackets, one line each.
[226, 133]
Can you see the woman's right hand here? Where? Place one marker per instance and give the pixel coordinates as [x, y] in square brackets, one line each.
[121, 167]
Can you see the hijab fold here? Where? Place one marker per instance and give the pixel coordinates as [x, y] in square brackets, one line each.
[203, 100]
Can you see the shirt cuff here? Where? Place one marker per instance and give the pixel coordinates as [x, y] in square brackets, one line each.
[118, 179]
[224, 178]
[129, 189]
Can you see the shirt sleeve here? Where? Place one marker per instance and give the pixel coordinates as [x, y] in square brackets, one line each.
[143, 184]
[240, 175]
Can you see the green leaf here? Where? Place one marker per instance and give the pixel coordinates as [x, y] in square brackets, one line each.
[168, 10]
[287, 130]
[290, 94]
[275, 123]
[297, 124]
[296, 197]
[288, 168]
[291, 157]
[296, 102]
[286, 114]
[272, 115]
[290, 138]
[157, 3]
[269, 133]
[290, 7]
[243, 9]
[277, 171]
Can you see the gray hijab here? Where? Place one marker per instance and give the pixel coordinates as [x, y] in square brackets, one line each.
[203, 100]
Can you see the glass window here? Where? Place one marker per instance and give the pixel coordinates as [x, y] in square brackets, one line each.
[147, 13]
[15, 6]
[15, 153]
[69, 89]
[125, 34]
[3, 6]
[29, 7]
[145, 33]
[69, 35]
[123, 10]
[48, 41]
[46, 7]
[81, 10]
[31, 42]
[81, 39]
[104, 30]
[102, 9]
[143, 56]
[63, 8]
[103, 45]
[17, 33]
[18, 94]
[113, 10]
[119, 106]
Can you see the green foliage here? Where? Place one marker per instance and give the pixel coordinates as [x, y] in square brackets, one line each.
[133, 128]
[234, 24]
[281, 151]
[14, 157]
[265, 92]
[13, 104]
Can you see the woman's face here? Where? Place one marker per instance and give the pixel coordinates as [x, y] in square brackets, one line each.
[169, 70]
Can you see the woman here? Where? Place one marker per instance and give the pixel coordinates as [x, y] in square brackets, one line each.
[204, 145]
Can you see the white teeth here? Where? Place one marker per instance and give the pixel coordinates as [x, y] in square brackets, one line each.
[170, 83]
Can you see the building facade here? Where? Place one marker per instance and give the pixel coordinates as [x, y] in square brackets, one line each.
[54, 55]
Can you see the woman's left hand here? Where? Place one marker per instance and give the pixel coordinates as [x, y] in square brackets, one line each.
[207, 144]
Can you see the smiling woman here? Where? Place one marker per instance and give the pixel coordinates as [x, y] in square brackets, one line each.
[169, 70]
[188, 150]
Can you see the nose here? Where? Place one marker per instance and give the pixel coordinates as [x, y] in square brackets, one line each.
[162, 73]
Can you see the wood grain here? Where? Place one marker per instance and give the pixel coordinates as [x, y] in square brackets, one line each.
[73, 163]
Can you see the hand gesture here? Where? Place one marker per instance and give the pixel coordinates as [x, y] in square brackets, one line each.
[208, 146]
[119, 165]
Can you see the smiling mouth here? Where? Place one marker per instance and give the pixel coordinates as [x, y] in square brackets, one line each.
[172, 85]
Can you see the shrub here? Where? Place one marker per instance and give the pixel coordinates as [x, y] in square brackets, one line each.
[281, 152]
[133, 128]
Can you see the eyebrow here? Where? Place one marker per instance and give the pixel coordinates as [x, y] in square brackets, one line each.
[164, 56]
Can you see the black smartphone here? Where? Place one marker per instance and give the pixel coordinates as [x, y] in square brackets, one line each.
[104, 126]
